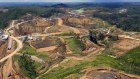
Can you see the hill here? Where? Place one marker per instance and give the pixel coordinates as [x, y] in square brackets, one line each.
[61, 5]
[126, 18]
[18, 12]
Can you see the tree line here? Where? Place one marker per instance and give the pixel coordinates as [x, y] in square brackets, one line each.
[18, 12]
[128, 21]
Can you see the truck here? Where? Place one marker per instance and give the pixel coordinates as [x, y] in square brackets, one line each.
[10, 44]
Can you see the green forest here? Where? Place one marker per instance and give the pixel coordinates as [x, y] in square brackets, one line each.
[128, 21]
[17, 12]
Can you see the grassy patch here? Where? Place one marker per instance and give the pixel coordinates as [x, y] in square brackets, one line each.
[61, 73]
[85, 37]
[28, 49]
[66, 34]
[72, 76]
[101, 60]
[42, 56]
[81, 10]
[15, 45]
[132, 57]
[75, 45]
[32, 51]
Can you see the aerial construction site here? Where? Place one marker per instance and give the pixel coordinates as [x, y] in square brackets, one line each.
[60, 42]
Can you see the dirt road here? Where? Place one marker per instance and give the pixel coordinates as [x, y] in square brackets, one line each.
[50, 34]
[60, 23]
[7, 69]
[19, 43]
[128, 37]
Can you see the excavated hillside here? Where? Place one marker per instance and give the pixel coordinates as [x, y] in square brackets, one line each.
[80, 21]
[57, 46]
[41, 22]
[47, 42]
[30, 28]
[36, 26]
[57, 28]
[3, 49]
[104, 75]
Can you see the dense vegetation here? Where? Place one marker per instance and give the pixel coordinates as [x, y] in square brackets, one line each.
[129, 20]
[27, 66]
[17, 12]
[26, 63]
[75, 45]
[125, 63]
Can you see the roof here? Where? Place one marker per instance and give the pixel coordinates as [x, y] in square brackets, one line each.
[4, 36]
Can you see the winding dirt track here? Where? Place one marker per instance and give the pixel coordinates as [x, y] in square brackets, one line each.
[60, 23]
[7, 68]
[8, 65]
[19, 43]
[128, 37]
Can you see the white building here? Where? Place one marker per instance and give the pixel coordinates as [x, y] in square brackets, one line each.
[123, 11]
[5, 37]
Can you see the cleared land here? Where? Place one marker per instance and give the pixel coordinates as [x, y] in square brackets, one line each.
[123, 45]
[101, 60]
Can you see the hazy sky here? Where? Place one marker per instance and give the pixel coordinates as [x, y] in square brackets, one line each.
[46, 0]
[69, 0]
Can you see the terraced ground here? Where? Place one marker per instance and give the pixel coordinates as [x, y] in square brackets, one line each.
[128, 63]
[61, 67]
[58, 64]
[75, 45]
